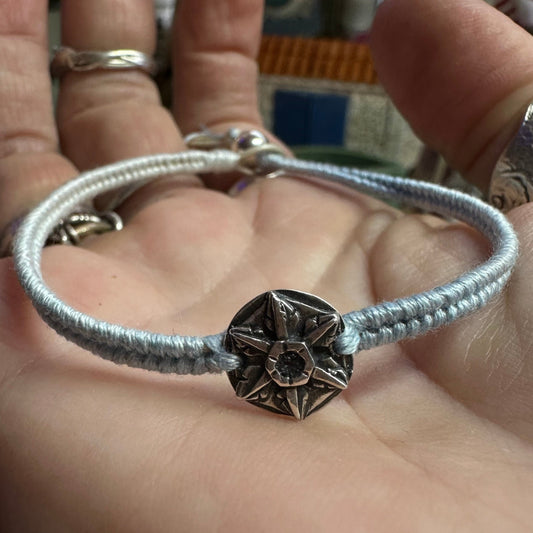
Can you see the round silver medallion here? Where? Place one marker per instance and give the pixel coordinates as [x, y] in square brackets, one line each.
[286, 340]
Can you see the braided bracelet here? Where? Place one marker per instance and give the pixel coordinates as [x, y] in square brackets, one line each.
[285, 351]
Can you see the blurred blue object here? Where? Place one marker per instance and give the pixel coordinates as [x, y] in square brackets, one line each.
[304, 118]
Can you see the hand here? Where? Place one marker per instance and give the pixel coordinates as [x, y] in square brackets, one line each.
[434, 434]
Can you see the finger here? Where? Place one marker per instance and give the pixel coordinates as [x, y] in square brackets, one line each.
[105, 116]
[460, 72]
[216, 43]
[215, 70]
[481, 361]
[29, 164]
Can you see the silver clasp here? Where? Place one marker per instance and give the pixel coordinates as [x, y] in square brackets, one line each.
[249, 144]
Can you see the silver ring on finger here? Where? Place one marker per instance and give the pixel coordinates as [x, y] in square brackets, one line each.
[66, 59]
[512, 179]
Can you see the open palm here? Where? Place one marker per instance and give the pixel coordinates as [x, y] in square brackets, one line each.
[435, 434]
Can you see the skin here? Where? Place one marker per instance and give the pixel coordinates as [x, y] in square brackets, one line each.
[434, 434]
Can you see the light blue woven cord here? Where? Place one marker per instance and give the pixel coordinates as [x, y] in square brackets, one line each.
[389, 322]
[177, 354]
[383, 323]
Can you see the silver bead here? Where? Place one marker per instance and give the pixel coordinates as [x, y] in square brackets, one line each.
[246, 140]
[286, 340]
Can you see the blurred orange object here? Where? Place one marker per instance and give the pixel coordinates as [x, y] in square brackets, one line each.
[332, 59]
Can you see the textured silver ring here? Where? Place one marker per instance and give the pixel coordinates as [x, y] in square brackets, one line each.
[512, 179]
[79, 225]
[67, 59]
[72, 229]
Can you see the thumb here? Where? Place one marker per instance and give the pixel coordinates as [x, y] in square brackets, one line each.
[460, 72]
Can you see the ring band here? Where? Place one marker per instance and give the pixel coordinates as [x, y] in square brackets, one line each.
[72, 229]
[67, 59]
[82, 224]
[285, 351]
[512, 179]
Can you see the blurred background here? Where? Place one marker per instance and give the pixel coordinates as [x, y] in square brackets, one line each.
[319, 91]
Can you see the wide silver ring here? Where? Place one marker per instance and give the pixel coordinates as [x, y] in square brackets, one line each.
[512, 179]
[67, 59]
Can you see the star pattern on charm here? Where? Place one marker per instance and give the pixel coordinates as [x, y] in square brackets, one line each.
[286, 339]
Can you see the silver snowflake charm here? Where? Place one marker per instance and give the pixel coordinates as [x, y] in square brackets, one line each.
[286, 340]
